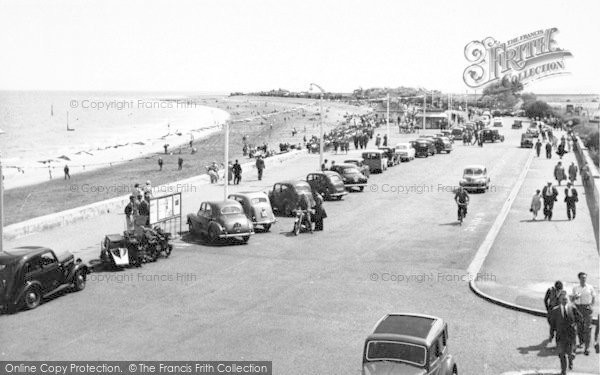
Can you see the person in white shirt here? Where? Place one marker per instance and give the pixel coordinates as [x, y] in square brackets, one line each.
[584, 297]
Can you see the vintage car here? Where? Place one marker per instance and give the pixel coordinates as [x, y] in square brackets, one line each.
[362, 167]
[408, 344]
[29, 274]
[491, 135]
[497, 123]
[527, 140]
[221, 219]
[257, 208]
[285, 196]
[424, 147]
[118, 251]
[442, 144]
[532, 128]
[475, 178]
[405, 151]
[351, 176]
[376, 160]
[517, 124]
[392, 157]
[327, 183]
[457, 133]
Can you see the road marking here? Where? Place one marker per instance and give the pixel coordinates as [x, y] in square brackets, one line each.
[487, 243]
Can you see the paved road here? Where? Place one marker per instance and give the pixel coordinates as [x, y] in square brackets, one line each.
[307, 302]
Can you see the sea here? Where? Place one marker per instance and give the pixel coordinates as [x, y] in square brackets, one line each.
[42, 131]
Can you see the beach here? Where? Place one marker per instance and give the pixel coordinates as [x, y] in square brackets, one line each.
[259, 119]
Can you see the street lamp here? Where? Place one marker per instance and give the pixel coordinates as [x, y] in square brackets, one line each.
[1, 203]
[321, 122]
[226, 173]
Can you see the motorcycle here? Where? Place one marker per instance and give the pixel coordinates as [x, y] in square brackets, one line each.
[302, 222]
[163, 241]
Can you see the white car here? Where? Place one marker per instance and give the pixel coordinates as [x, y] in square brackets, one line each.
[475, 178]
[406, 151]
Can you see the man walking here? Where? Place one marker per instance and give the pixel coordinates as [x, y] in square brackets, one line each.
[551, 301]
[260, 166]
[131, 212]
[538, 147]
[237, 172]
[67, 175]
[584, 298]
[570, 199]
[160, 163]
[324, 166]
[563, 320]
[180, 163]
[549, 194]
[559, 173]
[572, 172]
[548, 150]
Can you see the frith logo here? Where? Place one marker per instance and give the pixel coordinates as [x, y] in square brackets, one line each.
[526, 58]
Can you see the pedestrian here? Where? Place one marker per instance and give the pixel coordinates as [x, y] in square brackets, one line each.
[180, 163]
[160, 163]
[585, 174]
[66, 170]
[549, 194]
[378, 140]
[320, 213]
[584, 297]
[559, 173]
[260, 166]
[548, 150]
[536, 203]
[136, 190]
[166, 146]
[561, 150]
[324, 165]
[148, 189]
[563, 320]
[538, 147]
[551, 301]
[332, 165]
[144, 209]
[129, 213]
[229, 173]
[385, 140]
[237, 172]
[571, 199]
[572, 172]
[50, 172]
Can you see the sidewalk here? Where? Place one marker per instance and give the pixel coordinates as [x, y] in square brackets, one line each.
[528, 256]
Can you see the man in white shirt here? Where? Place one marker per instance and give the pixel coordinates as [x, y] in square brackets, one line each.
[570, 199]
[584, 298]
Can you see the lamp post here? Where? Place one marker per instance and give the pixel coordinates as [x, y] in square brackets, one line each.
[424, 109]
[388, 117]
[320, 122]
[1, 204]
[226, 173]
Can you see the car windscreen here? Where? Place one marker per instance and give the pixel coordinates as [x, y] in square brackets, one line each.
[335, 179]
[258, 200]
[473, 172]
[396, 351]
[372, 155]
[302, 188]
[402, 147]
[350, 170]
[227, 210]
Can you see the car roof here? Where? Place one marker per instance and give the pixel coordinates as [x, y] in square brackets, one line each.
[22, 252]
[405, 327]
[223, 203]
[346, 165]
[475, 166]
[292, 182]
[249, 194]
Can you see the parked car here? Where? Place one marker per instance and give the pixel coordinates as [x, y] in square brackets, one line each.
[362, 167]
[390, 154]
[31, 273]
[475, 178]
[376, 160]
[491, 135]
[424, 147]
[327, 183]
[219, 220]
[405, 151]
[257, 208]
[517, 124]
[408, 344]
[351, 176]
[457, 133]
[527, 140]
[442, 144]
[285, 195]
[497, 123]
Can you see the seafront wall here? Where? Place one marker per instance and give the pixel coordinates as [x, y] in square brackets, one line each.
[591, 190]
[117, 204]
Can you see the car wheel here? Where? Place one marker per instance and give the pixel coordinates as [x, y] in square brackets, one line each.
[267, 227]
[212, 235]
[245, 239]
[79, 281]
[32, 298]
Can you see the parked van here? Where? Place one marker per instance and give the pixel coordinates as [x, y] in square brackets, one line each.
[376, 160]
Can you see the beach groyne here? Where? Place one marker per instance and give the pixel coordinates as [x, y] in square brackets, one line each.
[117, 204]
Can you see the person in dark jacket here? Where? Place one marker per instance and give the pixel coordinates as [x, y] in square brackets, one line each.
[549, 194]
[563, 320]
[260, 166]
[538, 147]
[320, 213]
[237, 172]
[571, 199]
[548, 150]
[551, 301]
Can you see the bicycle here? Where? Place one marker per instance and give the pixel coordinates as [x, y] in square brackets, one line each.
[462, 208]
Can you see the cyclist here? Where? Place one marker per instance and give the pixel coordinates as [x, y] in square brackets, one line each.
[461, 197]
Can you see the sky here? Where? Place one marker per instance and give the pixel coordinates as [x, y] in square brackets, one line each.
[252, 45]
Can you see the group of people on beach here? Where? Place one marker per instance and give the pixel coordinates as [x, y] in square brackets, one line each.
[570, 319]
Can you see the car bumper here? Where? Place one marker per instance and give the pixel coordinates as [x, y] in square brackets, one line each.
[473, 185]
[240, 234]
[355, 184]
[339, 194]
[264, 222]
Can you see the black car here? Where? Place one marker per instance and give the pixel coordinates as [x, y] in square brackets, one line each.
[29, 274]
[351, 176]
[491, 135]
[424, 147]
[517, 124]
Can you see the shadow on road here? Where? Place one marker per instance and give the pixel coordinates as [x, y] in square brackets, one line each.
[542, 348]
[452, 223]
[199, 240]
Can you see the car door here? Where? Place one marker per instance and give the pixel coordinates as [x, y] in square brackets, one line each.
[51, 275]
[206, 217]
[435, 358]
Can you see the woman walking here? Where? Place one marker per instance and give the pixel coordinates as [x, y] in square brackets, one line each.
[320, 213]
[536, 203]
